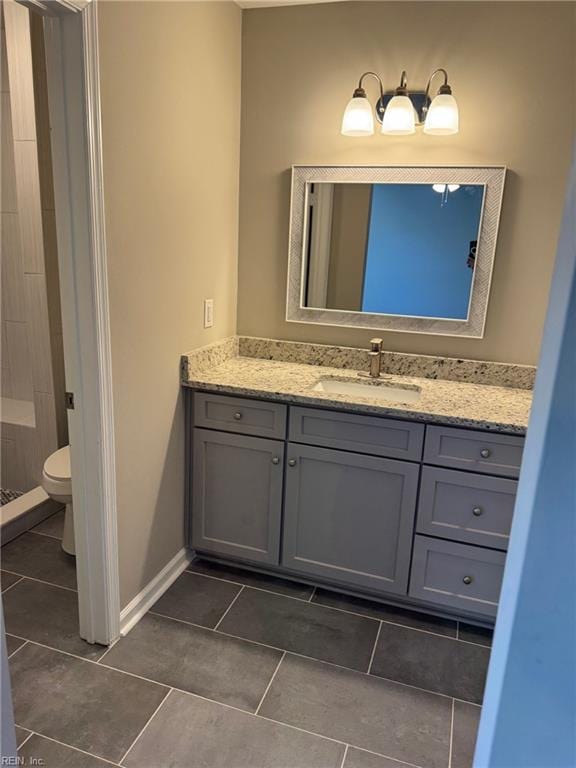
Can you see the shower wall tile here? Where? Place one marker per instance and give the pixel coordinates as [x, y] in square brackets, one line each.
[29, 205]
[13, 290]
[4, 87]
[9, 465]
[19, 50]
[45, 440]
[60, 388]
[15, 475]
[17, 351]
[32, 359]
[39, 333]
[5, 380]
[51, 271]
[9, 204]
[42, 114]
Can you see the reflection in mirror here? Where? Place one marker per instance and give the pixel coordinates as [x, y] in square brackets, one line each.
[395, 249]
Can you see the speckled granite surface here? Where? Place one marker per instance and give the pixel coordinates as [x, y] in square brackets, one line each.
[502, 409]
[205, 358]
[396, 363]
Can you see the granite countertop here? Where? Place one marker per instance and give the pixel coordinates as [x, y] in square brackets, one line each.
[495, 408]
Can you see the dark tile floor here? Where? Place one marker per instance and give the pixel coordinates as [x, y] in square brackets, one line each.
[232, 669]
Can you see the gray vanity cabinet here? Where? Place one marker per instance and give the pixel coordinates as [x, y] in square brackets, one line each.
[369, 504]
[237, 495]
[349, 518]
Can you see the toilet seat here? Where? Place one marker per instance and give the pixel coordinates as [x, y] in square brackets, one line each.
[57, 465]
[57, 477]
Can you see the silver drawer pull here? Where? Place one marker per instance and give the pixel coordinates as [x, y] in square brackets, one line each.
[485, 453]
[291, 462]
[275, 460]
[237, 415]
[467, 579]
[477, 511]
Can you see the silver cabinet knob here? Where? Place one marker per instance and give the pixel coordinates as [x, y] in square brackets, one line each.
[485, 453]
[291, 462]
[237, 415]
[467, 579]
[477, 511]
[275, 460]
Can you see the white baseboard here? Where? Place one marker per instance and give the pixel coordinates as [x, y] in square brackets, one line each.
[144, 600]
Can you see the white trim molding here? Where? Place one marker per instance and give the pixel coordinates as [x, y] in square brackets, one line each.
[145, 599]
[490, 177]
[71, 41]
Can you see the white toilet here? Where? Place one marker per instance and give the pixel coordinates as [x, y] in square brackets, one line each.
[57, 482]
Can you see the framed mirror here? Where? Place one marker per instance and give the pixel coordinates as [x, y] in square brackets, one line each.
[399, 248]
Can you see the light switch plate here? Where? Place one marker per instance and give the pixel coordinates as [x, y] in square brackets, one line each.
[208, 313]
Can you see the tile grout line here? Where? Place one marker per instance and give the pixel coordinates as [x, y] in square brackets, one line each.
[451, 736]
[19, 647]
[344, 610]
[237, 709]
[64, 744]
[40, 581]
[227, 609]
[108, 649]
[251, 586]
[344, 756]
[402, 763]
[12, 585]
[270, 683]
[31, 733]
[374, 649]
[152, 716]
[48, 535]
[253, 642]
[310, 658]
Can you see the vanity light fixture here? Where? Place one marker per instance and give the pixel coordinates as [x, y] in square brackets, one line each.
[441, 188]
[399, 112]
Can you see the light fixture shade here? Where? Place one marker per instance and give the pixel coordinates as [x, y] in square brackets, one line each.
[441, 188]
[442, 118]
[399, 117]
[358, 119]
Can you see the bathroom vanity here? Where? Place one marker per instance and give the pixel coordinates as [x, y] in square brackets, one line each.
[388, 500]
[399, 488]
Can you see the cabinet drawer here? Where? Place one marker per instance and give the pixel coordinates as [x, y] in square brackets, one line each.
[362, 434]
[236, 414]
[476, 509]
[456, 576]
[477, 451]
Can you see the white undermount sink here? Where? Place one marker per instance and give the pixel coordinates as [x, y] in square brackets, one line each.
[381, 391]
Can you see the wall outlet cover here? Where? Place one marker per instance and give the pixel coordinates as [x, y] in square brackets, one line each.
[208, 313]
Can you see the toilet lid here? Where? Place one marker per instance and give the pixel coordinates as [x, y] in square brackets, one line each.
[57, 466]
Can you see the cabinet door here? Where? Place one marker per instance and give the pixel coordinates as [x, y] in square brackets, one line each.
[349, 518]
[237, 495]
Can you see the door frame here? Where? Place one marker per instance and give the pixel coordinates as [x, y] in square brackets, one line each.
[72, 65]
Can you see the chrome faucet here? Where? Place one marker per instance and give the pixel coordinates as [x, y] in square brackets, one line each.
[375, 359]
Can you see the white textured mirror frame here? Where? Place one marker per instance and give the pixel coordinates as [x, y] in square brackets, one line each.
[492, 177]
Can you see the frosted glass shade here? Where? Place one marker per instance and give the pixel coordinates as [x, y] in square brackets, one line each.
[399, 117]
[442, 118]
[358, 119]
[442, 187]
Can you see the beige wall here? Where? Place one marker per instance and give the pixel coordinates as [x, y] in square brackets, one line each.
[350, 219]
[300, 65]
[170, 75]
